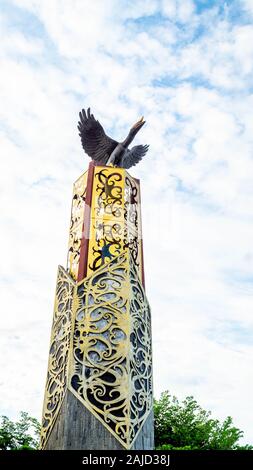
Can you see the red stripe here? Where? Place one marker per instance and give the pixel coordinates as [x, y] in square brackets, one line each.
[83, 260]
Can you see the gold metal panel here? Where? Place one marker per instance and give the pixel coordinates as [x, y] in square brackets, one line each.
[132, 205]
[133, 229]
[60, 345]
[108, 193]
[106, 241]
[76, 224]
[134, 244]
[115, 218]
[111, 364]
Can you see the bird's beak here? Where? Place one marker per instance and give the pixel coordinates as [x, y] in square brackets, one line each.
[139, 123]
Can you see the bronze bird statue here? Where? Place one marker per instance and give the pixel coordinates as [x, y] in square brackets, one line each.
[104, 150]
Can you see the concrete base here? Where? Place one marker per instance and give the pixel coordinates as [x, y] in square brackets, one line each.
[76, 428]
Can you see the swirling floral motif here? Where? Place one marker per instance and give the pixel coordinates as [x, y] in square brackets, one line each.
[111, 370]
[76, 224]
[108, 242]
[108, 193]
[56, 384]
[132, 239]
[132, 202]
[115, 218]
[141, 357]
[132, 242]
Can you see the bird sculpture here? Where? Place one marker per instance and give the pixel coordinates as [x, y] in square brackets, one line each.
[106, 151]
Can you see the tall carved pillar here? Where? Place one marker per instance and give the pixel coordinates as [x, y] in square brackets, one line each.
[99, 383]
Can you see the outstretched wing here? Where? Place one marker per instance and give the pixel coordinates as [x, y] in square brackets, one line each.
[95, 142]
[134, 155]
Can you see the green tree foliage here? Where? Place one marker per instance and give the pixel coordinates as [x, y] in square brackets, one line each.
[186, 426]
[20, 435]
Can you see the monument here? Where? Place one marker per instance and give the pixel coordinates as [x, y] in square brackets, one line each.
[98, 392]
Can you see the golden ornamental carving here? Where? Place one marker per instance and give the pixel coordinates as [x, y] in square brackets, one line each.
[60, 345]
[115, 218]
[111, 364]
[76, 224]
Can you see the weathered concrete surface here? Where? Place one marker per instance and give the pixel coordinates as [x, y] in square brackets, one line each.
[78, 429]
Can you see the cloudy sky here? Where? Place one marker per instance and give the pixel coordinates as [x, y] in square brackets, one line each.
[187, 66]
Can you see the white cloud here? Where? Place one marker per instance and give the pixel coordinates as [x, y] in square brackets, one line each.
[194, 90]
[177, 10]
[247, 5]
